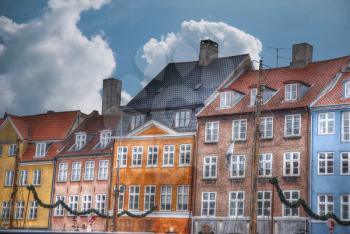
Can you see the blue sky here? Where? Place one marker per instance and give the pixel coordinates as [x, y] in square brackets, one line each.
[127, 25]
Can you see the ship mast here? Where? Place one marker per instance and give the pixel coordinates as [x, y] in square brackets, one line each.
[255, 155]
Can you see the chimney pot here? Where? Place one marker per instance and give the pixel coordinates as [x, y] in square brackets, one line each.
[301, 55]
[111, 96]
[209, 50]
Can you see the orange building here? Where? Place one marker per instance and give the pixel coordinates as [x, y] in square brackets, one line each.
[154, 170]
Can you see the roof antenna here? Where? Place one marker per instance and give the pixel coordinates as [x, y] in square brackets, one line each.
[277, 49]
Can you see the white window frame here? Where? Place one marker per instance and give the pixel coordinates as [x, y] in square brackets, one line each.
[210, 166]
[209, 201]
[264, 162]
[343, 161]
[62, 175]
[326, 123]
[185, 154]
[293, 123]
[9, 178]
[347, 89]
[23, 178]
[345, 126]
[326, 204]
[137, 156]
[291, 92]
[36, 177]
[136, 121]
[286, 209]
[225, 99]
[238, 162]
[263, 202]
[182, 197]
[121, 197]
[122, 159]
[5, 211]
[134, 198]
[12, 150]
[291, 162]
[326, 161]
[152, 156]
[75, 171]
[165, 198]
[265, 122]
[236, 203]
[40, 149]
[239, 129]
[19, 212]
[86, 202]
[253, 94]
[103, 170]
[73, 203]
[149, 197]
[59, 210]
[168, 155]
[80, 141]
[212, 131]
[101, 203]
[182, 118]
[89, 172]
[345, 206]
[105, 138]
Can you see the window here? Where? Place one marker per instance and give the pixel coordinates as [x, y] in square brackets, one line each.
[182, 118]
[33, 210]
[237, 166]
[150, 196]
[23, 178]
[76, 171]
[137, 156]
[105, 139]
[345, 126]
[264, 203]
[345, 163]
[62, 172]
[208, 203]
[9, 178]
[121, 197]
[101, 200]
[292, 125]
[325, 163]
[291, 164]
[59, 210]
[326, 123]
[345, 207]
[1, 150]
[266, 127]
[89, 170]
[182, 198]
[19, 213]
[239, 130]
[73, 202]
[102, 170]
[265, 165]
[291, 196]
[291, 92]
[13, 150]
[40, 150]
[36, 177]
[236, 204]
[212, 131]
[225, 99]
[253, 93]
[137, 120]
[209, 167]
[325, 204]
[122, 156]
[165, 197]
[168, 155]
[134, 196]
[347, 89]
[86, 202]
[80, 141]
[185, 154]
[5, 209]
[152, 157]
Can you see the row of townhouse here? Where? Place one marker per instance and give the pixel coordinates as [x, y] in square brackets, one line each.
[183, 146]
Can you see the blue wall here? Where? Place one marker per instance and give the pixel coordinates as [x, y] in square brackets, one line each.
[335, 184]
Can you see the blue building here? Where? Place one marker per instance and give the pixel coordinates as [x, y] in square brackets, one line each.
[330, 153]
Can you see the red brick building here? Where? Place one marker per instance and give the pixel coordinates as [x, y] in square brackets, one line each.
[224, 140]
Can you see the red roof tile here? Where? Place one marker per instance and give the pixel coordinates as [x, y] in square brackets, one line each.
[316, 75]
[1, 121]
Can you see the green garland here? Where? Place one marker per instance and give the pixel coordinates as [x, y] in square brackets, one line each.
[301, 202]
[31, 188]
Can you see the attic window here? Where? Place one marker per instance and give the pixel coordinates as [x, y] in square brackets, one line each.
[136, 121]
[182, 118]
[198, 86]
[253, 93]
[347, 89]
[105, 139]
[40, 150]
[80, 141]
[291, 92]
[225, 99]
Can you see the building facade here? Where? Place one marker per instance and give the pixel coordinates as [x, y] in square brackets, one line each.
[330, 156]
[225, 138]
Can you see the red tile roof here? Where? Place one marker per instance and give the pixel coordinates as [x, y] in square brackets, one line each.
[1, 121]
[316, 75]
[335, 96]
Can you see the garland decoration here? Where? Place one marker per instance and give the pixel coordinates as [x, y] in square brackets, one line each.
[308, 210]
[32, 189]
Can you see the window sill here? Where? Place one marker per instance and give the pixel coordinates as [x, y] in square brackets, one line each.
[266, 138]
[151, 166]
[184, 165]
[74, 180]
[237, 179]
[102, 179]
[291, 178]
[238, 140]
[140, 166]
[167, 166]
[209, 179]
[211, 142]
[61, 181]
[88, 180]
[292, 136]
[264, 179]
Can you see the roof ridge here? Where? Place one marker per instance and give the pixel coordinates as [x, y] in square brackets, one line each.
[224, 57]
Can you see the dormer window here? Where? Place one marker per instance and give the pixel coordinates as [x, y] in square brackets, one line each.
[225, 99]
[136, 121]
[105, 139]
[347, 89]
[291, 92]
[40, 150]
[253, 93]
[182, 118]
[80, 141]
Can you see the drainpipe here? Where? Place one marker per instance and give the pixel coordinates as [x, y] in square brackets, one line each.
[52, 192]
[310, 154]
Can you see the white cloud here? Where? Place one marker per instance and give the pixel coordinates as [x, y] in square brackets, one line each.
[184, 45]
[48, 64]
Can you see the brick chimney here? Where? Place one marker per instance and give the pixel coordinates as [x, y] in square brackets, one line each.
[111, 98]
[301, 55]
[209, 50]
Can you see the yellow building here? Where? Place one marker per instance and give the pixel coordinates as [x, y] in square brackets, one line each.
[38, 138]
